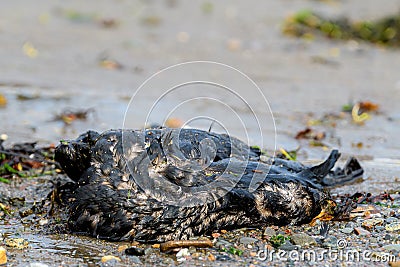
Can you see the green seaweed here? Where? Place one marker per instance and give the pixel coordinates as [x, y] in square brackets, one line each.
[233, 251]
[278, 240]
[384, 31]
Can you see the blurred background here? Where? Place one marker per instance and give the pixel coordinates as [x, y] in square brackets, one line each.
[70, 66]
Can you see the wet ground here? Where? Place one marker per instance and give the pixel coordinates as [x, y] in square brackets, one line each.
[76, 55]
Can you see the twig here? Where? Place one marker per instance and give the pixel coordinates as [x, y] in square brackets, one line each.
[185, 243]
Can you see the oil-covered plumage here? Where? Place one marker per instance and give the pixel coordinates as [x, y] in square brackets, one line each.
[167, 184]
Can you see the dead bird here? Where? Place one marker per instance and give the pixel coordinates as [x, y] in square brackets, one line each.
[165, 184]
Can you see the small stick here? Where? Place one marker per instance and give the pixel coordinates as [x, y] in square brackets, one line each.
[185, 243]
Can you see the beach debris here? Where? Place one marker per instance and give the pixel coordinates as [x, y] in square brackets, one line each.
[18, 243]
[108, 258]
[361, 231]
[369, 224]
[110, 64]
[359, 117]
[289, 155]
[25, 160]
[3, 101]
[278, 240]
[3, 255]
[393, 227]
[182, 254]
[207, 7]
[303, 240]
[309, 133]
[134, 251]
[69, 115]
[108, 22]
[27, 97]
[29, 50]
[170, 245]
[151, 20]
[307, 24]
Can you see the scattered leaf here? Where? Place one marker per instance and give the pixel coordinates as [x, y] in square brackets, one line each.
[211, 257]
[290, 155]
[207, 7]
[357, 117]
[108, 23]
[151, 20]
[110, 64]
[309, 133]
[347, 107]
[368, 106]
[68, 116]
[3, 101]
[358, 145]
[25, 97]
[215, 235]
[29, 50]
[76, 16]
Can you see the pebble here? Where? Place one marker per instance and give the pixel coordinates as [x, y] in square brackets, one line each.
[330, 242]
[223, 258]
[379, 228]
[394, 264]
[3, 137]
[134, 251]
[135, 259]
[361, 231]
[182, 254]
[392, 227]
[149, 251]
[392, 220]
[18, 243]
[247, 240]
[288, 246]
[122, 248]
[3, 255]
[392, 247]
[387, 237]
[25, 211]
[211, 257]
[168, 262]
[38, 264]
[221, 243]
[108, 258]
[370, 223]
[268, 232]
[346, 230]
[302, 239]
[43, 222]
